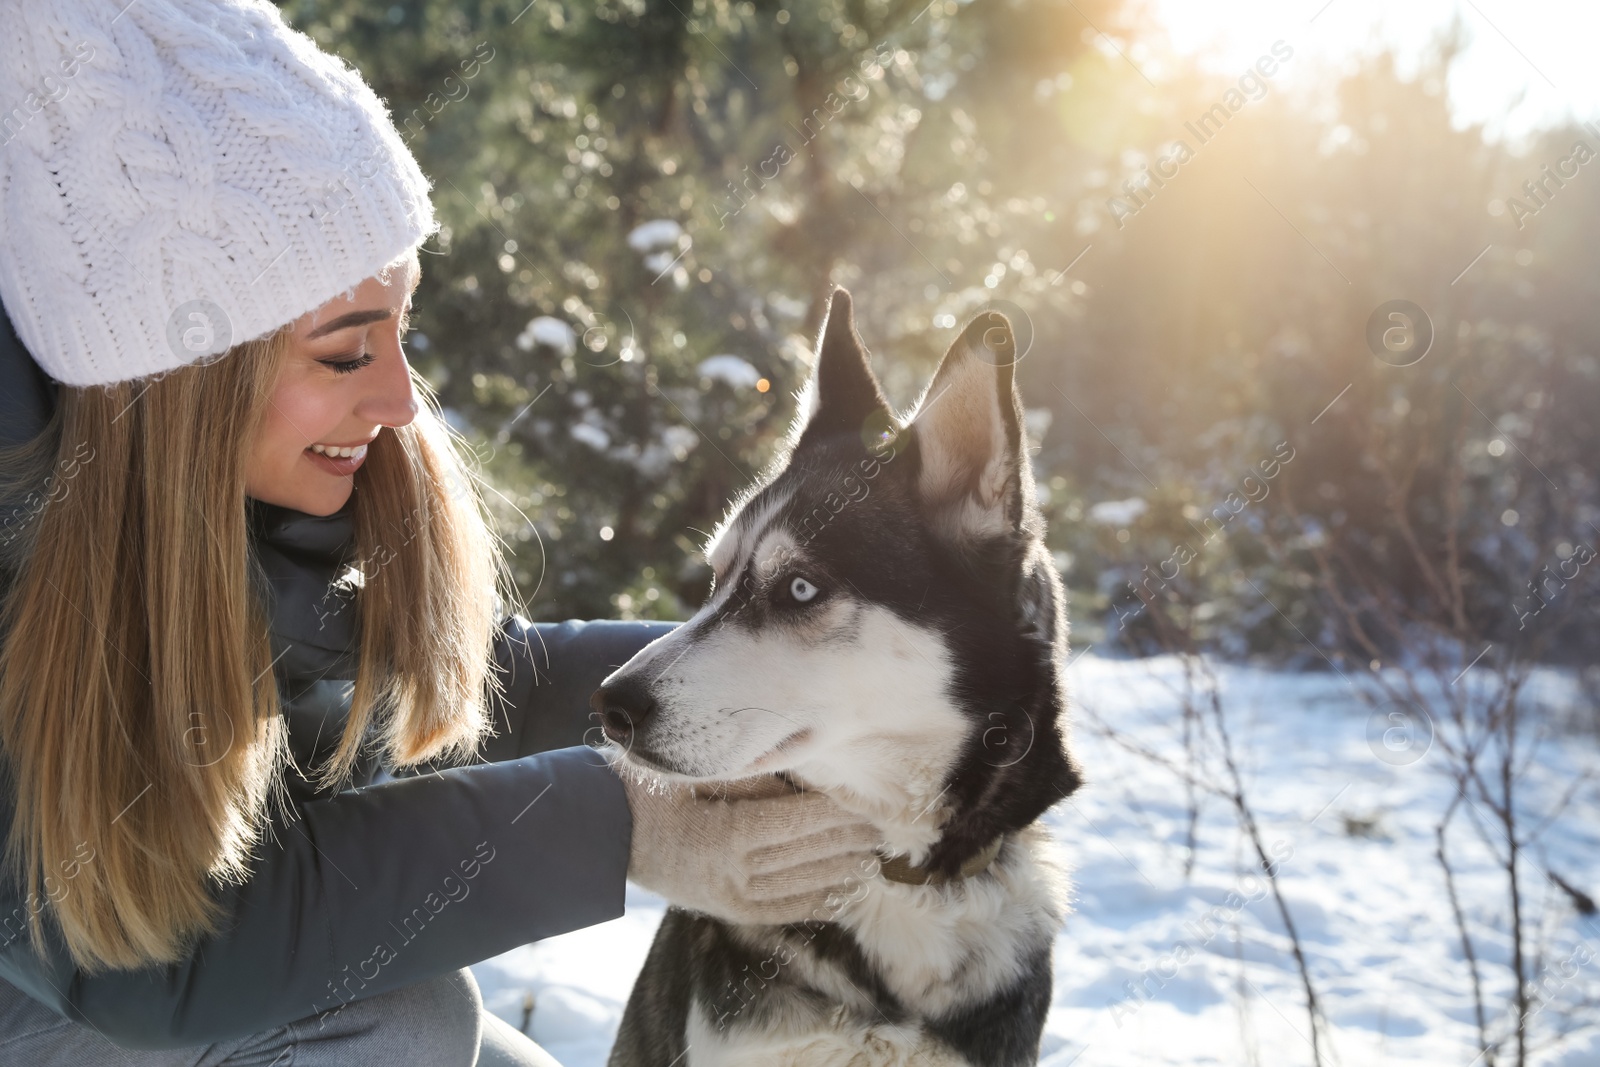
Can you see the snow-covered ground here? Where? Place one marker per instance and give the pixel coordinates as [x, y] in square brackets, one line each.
[1354, 834]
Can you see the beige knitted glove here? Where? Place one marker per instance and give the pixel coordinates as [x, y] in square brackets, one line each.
[754, 851]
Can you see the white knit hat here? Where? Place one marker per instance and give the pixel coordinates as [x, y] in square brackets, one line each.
[178, 176]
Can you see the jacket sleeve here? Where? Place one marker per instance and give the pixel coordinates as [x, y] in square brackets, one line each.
[549, 672]
[375, 888]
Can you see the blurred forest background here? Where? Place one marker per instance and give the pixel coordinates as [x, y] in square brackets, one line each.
[646, 202]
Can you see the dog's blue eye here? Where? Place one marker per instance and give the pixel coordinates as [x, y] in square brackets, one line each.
[802, 590]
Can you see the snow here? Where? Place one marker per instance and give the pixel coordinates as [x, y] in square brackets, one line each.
[1117, 512]
[1156, 968]
[656, 458]
[735, 371]
[660, 261]
[591, 435]
[784, 304]
[654, 234]
[545, 330]
[679, 439]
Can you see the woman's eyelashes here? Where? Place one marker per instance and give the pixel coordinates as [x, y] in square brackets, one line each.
[354, 361]
[347, 366]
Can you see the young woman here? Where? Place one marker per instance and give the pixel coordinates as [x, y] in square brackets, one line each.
[243, 566]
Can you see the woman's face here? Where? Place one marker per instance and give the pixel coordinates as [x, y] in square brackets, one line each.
[343, 380]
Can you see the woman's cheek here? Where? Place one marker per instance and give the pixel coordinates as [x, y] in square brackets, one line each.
[297, 416]
[309, 411]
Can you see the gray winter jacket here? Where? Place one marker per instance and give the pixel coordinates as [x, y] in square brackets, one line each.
[380, 885]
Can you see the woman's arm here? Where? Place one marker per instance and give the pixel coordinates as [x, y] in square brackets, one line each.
[386, 885]
[550, 670]
[363, 892]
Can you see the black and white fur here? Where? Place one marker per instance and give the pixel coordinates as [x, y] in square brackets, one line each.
[886, 626]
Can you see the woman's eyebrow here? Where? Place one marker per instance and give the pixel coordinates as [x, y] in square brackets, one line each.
[354, 318]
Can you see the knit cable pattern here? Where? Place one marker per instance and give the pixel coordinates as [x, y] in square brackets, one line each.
[178, 176]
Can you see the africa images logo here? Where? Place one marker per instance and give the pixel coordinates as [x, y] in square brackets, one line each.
[1399, 333]
[198, 328]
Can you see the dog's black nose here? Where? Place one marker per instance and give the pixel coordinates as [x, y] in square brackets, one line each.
[623, 708]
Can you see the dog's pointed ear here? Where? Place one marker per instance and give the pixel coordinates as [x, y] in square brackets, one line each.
[843, 395]
[973, 470]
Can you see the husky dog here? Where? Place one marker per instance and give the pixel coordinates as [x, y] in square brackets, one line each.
[886, 626]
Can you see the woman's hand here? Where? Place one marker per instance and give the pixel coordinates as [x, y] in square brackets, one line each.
[754, 852]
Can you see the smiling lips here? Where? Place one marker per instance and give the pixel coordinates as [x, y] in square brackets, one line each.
[340, 451]
[339, 460]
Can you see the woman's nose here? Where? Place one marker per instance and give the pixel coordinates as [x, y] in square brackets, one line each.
[391, 401]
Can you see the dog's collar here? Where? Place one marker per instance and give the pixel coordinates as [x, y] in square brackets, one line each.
[899, 870]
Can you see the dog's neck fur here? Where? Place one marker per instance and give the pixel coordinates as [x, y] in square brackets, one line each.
[934, 947]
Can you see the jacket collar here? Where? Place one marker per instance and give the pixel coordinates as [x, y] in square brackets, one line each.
[325, 537]
[27, 393]
[303, 557]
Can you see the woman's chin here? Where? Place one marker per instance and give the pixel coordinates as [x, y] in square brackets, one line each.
[310, 498]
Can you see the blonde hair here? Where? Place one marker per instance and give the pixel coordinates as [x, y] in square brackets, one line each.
[139, 712]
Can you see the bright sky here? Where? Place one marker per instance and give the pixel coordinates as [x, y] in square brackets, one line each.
[1528, 63]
